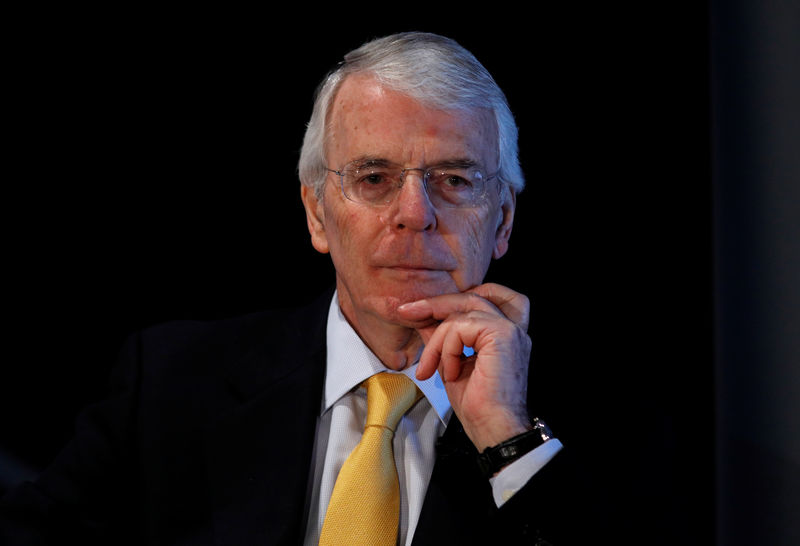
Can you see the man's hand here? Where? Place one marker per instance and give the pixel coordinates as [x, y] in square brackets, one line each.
[488, 389]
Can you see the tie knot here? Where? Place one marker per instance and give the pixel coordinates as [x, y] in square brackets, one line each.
[389, 397]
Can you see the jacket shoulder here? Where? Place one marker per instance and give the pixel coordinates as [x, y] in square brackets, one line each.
[215, 345]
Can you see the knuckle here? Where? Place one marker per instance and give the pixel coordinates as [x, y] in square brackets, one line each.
[525, 341]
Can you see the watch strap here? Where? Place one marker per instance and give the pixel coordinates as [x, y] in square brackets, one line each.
[494, 458]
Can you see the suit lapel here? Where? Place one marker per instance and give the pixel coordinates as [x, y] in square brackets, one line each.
[264, 446]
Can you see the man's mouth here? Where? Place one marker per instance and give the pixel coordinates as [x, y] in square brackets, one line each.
[414, 267]
[417, 268]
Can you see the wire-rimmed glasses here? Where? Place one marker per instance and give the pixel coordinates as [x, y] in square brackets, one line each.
[458, 184]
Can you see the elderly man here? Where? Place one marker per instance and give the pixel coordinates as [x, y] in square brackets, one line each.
[410, 175]
[249, 430]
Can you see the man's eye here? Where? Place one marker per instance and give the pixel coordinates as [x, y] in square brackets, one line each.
[451, 181]
[454, 181]
[372, 178]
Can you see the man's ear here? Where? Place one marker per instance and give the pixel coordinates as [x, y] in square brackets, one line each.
[505, 223]
[315, 217]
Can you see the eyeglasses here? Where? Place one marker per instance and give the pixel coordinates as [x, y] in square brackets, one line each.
[377, 183]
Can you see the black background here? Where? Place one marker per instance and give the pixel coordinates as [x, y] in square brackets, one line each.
[153, 177]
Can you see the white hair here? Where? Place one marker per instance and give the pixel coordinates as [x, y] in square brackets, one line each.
[432, 69]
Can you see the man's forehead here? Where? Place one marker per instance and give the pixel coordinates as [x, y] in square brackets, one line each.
[362, 93]
[366, 113]
[359, 89]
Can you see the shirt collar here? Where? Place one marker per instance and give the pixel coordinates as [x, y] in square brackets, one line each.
[350, 361]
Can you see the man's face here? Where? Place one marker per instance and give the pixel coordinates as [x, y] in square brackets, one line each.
[408, 250]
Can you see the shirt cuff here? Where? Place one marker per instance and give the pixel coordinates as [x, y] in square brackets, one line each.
[514, 476]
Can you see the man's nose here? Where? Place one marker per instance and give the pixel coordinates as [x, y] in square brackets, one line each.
[413, 207]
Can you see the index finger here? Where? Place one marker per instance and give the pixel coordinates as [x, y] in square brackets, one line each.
[438, 308]
[493, 298]
[512, 304]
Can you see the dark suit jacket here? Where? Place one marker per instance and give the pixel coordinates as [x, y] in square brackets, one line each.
[207, 438]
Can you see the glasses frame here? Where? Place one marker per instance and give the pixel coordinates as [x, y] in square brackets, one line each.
[426, 174]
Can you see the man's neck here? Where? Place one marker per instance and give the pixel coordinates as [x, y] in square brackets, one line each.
[395, 345]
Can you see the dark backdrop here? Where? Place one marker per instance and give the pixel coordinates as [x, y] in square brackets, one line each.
[756, 166]
[154, 179]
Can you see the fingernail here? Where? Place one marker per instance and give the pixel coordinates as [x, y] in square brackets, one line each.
[411, 305]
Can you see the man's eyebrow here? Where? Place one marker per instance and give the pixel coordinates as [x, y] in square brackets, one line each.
[370, 161]
[459, 162]
[374, 161]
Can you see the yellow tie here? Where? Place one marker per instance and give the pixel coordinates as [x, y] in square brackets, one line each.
[365, 504]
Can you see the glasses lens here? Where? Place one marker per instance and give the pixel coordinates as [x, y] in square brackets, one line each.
[373, 184]
[456, 186]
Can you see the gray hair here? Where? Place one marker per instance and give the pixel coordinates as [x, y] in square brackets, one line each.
[432, 69]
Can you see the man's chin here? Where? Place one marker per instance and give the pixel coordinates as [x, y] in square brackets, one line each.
[392, 302]
[383, 300]
[412, 293]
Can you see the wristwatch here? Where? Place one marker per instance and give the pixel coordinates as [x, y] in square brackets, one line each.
[496, 457]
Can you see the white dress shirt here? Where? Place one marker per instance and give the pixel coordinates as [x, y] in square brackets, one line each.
[341, 424]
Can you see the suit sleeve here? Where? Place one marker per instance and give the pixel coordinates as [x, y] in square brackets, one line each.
[90, 487]
[514, 477]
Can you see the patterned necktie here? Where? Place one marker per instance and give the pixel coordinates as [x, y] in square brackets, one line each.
[365, 503]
